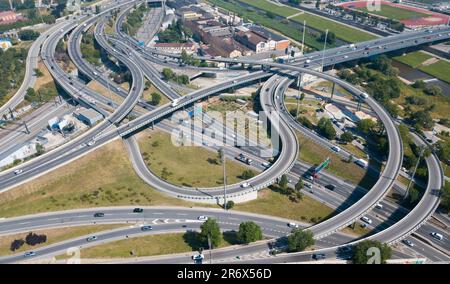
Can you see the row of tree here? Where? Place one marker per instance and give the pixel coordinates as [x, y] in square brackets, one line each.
[12, 69]
[31, 239]
[169, 75]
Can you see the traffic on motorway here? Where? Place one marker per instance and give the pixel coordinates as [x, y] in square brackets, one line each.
[408, 232]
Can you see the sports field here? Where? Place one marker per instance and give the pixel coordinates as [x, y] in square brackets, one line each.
[393, 12]
[280, 10]
[408, 15]
[341, 31]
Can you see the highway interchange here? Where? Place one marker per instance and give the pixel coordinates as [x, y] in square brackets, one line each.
[274, 88]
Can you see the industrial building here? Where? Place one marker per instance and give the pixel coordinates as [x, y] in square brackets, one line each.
[88, 116]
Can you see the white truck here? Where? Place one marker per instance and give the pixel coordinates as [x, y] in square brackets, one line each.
[362, 163]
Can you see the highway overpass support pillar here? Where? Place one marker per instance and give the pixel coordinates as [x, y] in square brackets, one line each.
[12, 114]
[26, 127]
[332, 91]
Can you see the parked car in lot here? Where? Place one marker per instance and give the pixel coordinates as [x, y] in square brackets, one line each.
[308, 185]
[379, 206]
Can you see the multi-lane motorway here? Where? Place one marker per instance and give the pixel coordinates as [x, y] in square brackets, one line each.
[273, 88]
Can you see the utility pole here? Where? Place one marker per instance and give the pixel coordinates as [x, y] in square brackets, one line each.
[209, 244]
[324, 48]
[303, 37]
[224, 160]
[299, 94]
[422, 149]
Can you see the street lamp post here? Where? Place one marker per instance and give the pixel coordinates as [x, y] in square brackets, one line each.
[324, 48]
[224, 179]
[422, 150]
[303, 37]
[209, 244]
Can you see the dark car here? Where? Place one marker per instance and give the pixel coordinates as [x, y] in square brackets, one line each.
[138, 210]
[99, 214]
[146, 228]
[318, 256]
[330, 187]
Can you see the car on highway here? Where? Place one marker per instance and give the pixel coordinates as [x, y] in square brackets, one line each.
[366, 219]
[16, 172]
[99, 214]
[408, 242]
[138, 210]
[335, 149]
[90, 143]
[29, 254]
[202, 218]
[91, 238]
[266, 165]
[292, 225]
[308, 177]
[330, 187]
[245, 185]
[437, 236]
[346, 249]
[198, 256]
[146, 228]
[317, 256]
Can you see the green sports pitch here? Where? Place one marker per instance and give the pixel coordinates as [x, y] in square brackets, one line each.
[395, 13]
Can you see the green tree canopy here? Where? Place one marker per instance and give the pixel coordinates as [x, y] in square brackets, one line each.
[249, 232]
[299, 240]
[211, 229]
[365, 247]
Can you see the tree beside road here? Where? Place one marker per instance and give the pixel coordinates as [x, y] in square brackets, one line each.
[249, 232]
[300, 239]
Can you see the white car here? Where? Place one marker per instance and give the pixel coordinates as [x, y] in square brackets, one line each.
[202, 218]
[308, 185]
[16, 172]
[336, 149]
[437, 236]
[292, 225]
[366, 220]
[245, 185]
[310, 178]
[379, 206]
[91, 143]
[92, 238]
[198, 257]
[265, 165]
[408, 243]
